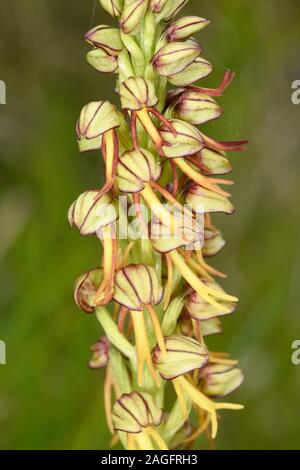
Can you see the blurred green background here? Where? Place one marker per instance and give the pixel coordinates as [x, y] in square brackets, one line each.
[49, 399]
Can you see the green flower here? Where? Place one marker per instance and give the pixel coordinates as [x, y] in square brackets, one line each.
[96, 119]
[85, 289]
[135, 411]
[106, 38]
[199, 309]
[132, 16]
[175, 57]
[213, 162]
[188, 140]
[205, 201]
[94, 213]
[137, 93]
[185, 27]
[137, 286]
[197, 70]
[102, 61]
[218, 380]
[91, 212]
[196, 108]
[184, 355]
[135, 168]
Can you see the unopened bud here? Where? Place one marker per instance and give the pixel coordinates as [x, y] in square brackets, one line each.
[137, 93]
[100, 354]
[85, 289]
[105, 37]
[175, 57]
[113, 7]
[199, 309]
[184, 354]
[197, 108]
[102, 61]
[171, 8]
[199, 69]
[185, 27]
[96, 118]
[135, 168]
[132, 16]
[204, 201]
[188, 140]
[137, 286]
[218, 380]
[135, 411]
[91, 212]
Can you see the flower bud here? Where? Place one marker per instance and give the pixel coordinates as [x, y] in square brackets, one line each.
[102, 61]
[85, 289]
[135, 411]
[137, 93]
[204, 201]
[197, 108]
[137, 286]
[184, 354]
[132, 16]
[92, 211]
[96, 118]
[199, 309]
[218, 380]
[107, 38]
[175, 57]
[214, 162]
[199, 69]
[113, 7]
[157, 5]
[135, 168]
[213, 243]
[171, 8]
[185, 28]
[100, 354]
[188, 140]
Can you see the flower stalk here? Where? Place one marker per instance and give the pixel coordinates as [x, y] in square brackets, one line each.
[154, 292]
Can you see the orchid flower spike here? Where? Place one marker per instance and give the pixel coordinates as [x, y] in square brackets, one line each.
[162, 180]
